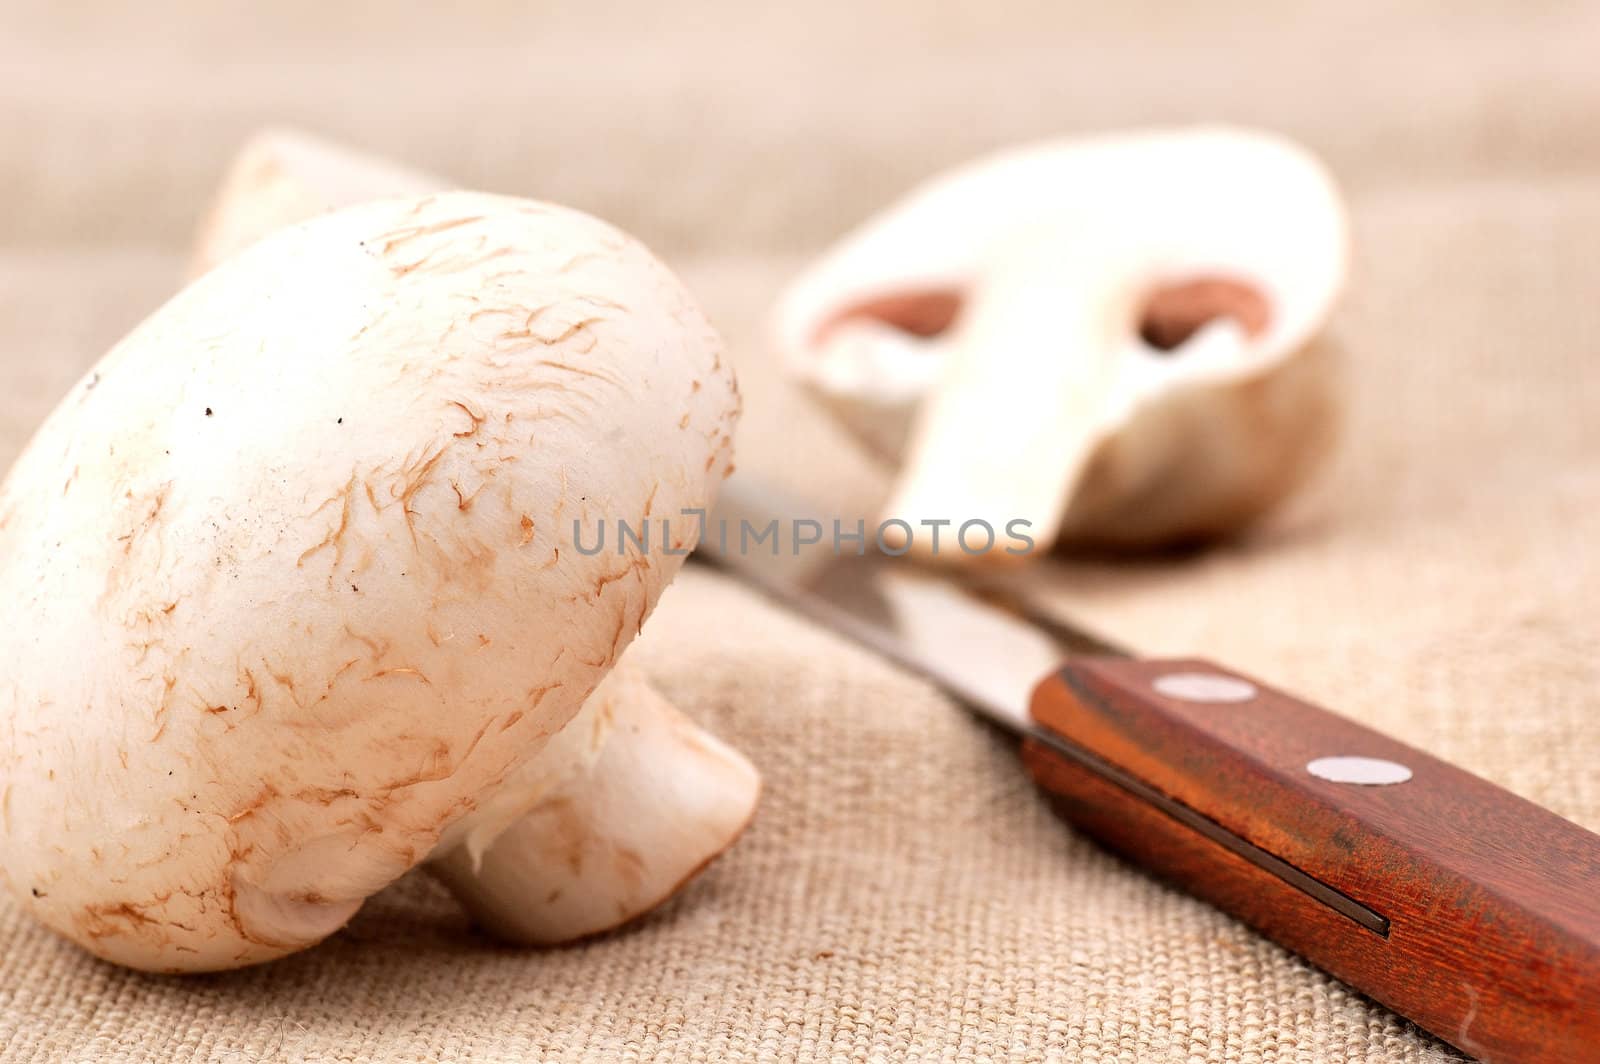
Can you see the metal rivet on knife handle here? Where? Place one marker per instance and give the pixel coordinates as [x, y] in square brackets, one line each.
[1204, 687]
[1366, 771]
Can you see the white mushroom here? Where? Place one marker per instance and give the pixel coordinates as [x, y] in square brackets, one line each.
[1116, 339]
[284, 176]
[293, 601]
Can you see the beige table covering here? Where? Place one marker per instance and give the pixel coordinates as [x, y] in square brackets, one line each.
[903, 894]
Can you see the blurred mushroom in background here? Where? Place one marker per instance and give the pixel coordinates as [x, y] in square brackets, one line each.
[1115, 340]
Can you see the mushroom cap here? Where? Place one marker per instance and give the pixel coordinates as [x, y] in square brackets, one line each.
[1150, 285]
[290, 575]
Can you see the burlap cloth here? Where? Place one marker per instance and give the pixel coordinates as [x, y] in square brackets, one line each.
[903, 894]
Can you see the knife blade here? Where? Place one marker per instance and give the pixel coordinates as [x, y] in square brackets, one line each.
[1462, 907]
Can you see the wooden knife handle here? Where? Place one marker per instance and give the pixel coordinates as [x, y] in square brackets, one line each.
[1481, 910]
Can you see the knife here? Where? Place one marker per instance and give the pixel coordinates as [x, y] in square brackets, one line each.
[1464, 908]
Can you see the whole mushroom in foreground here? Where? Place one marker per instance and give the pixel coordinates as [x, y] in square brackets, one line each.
[292, 603]
[1115, 339]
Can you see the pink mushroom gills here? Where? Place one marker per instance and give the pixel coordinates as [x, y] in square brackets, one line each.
[290, 606]
[1118, 339]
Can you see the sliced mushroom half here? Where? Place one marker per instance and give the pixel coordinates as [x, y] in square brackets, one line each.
[1115, 340]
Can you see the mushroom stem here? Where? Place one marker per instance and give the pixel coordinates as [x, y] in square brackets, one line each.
[617, 836]
[1024, 398]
